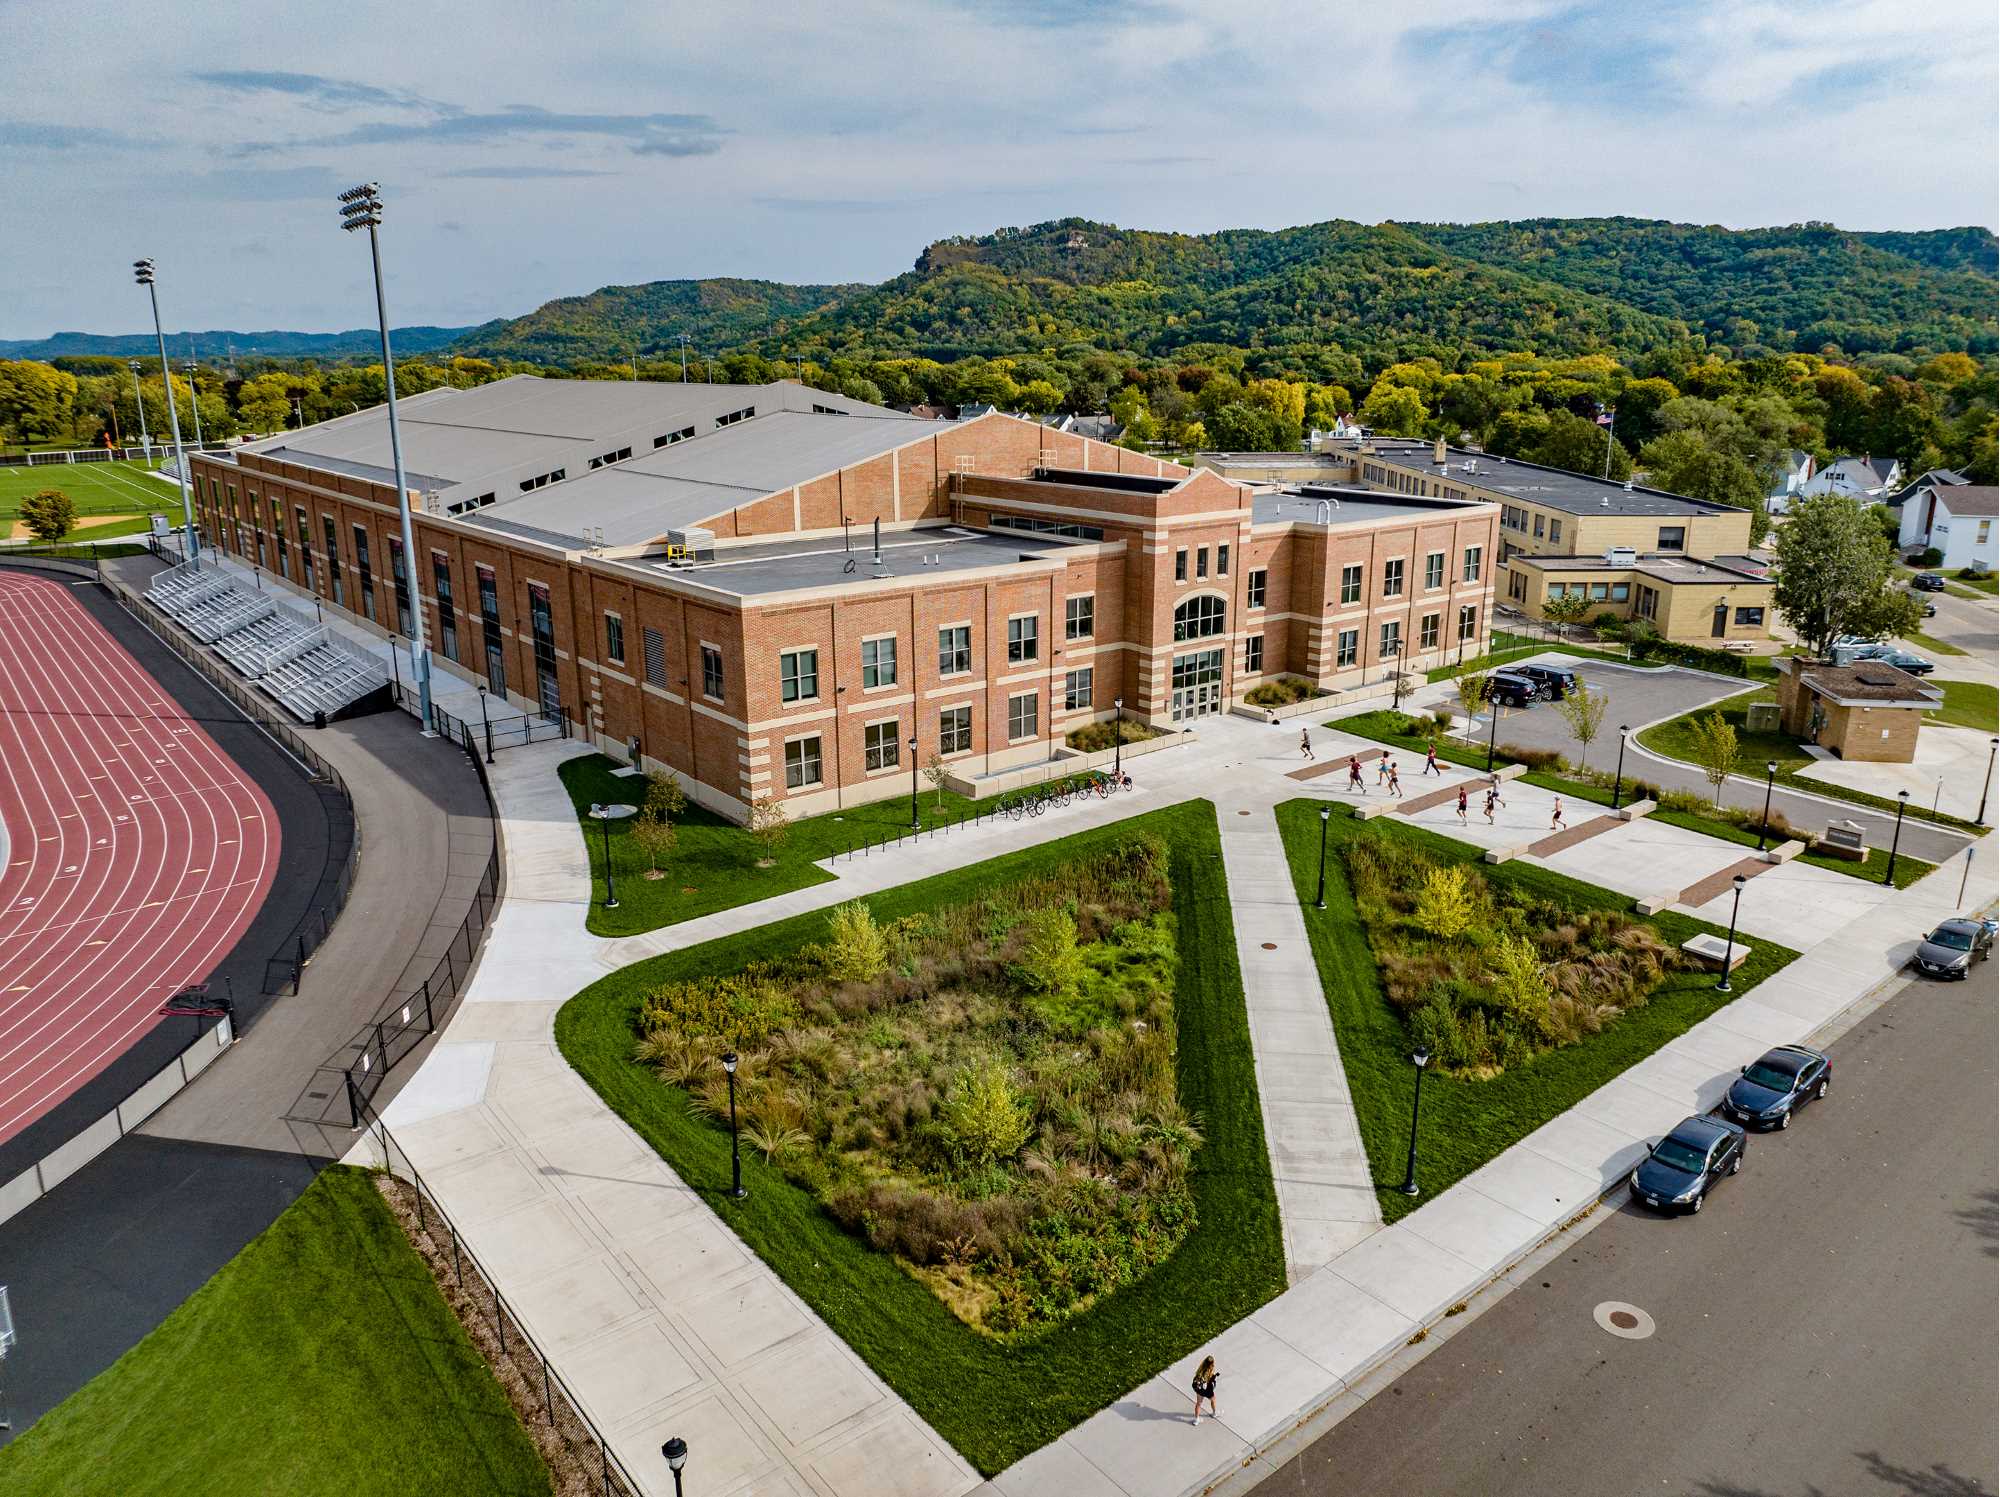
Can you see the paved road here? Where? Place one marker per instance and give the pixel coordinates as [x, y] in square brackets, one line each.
[1826, 1326]
[1641, 699]
[1965, 622]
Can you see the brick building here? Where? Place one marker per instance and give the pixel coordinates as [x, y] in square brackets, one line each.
[774, 590]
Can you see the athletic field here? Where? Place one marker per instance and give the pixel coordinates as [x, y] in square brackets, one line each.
[99, 491]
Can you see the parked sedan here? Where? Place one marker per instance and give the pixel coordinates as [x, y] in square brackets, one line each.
[1951, 949]
[1776, 1085]
[1928, 582]
[1683, 1166]
[1903, 660]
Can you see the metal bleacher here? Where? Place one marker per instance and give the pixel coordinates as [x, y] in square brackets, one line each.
[307, 668]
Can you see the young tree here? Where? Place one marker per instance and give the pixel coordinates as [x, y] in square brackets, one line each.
[768, 824]
[49, 515]
[855, 950]
[1715, 750]
[1445, 905]
[1583, 710]
[936, 772]
[1834, 575]
[655, 836]
[1471, 687]
[1566, 610]
[665, 795]
[1048, 961]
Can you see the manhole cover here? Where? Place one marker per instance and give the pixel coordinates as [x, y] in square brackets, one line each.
[1627, 1321]
[1270, 945]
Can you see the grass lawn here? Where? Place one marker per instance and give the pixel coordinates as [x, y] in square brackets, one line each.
[714, 862]
[994, 1401]
[1924, 641]
[1969, 704]
[95, 488]
[1466, 1123]
[1374, 725]
[320, 1360]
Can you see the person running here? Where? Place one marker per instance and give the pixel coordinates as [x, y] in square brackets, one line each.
[1492, 798]
[1382, 768]
[1431, 760]
[1556, 822]
[1494, 792]
[1395, 783]
[1461, 808]
[1354, 775]
[1204, 1388]
[1306, 742]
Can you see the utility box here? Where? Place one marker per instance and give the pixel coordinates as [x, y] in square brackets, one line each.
[1761, 717]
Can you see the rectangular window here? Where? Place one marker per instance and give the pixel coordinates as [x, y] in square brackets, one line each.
[1538, 527]
[447, 617]
[1600, 592]
[1222, 561]
[798, 675]
[1254, 588]
[489, 629]
[1468, 622]
[878, 663]
[1077, 689]
[955, 650]
[1473, 557]
[614, 639]
[881, 748]
[1621, 592]
[711, 673]
[1180, 565]
[1023, 717]
[1750, 616]
[1021, 641]
[366, 573]
[653, 645]
[1392, 638]
[1253, 655]
[1673, 538]
[305, 549]
[955, 731]
[802, 763]
[401, 574]
[1350, 648]
[1350, 583]
[1434, 571]
[1080, 617]
[1555, 531]
[1392, 578]
[1427, 631]
[1201, 561]
[542, 631]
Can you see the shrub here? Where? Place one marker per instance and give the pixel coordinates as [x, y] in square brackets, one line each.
[1931, 558]
[855, 950]
[1534, 758]
[1978, 571]
[49, 514]
[1685, 802]
[1696, 657]
[983, 1118]
[1445, 904]
[1092, 737]
[1608, 624]
[1048, 960]
[741, 1007]
[1282, 692]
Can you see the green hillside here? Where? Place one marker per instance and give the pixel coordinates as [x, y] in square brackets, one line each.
[619, 321]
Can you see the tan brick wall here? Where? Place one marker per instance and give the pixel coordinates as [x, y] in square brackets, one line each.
[1872, 735]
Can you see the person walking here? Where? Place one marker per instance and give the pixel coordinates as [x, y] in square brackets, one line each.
[1204, 1388]
[1354, 781]
[1556, 822]
[1306, 742]
[1431, 760]
[1461, 807]
[1395, 783]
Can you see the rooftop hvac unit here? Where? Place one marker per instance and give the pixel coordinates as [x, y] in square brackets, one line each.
[1621, 556]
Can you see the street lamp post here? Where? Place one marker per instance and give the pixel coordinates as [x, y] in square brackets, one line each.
[1420, 1058]
[735, 1155]
[1902, 801]
[485, 725]
[1618, 776]
[1770, 779]
[138, 399]
[916, 821]
[1118, 742]
[1396, 665]
[1492, 724]
[1729, 951]
[604, 816]
[1987, 783]
[676, 1453]
[1325, 815]
[361, 208]
[142, 271]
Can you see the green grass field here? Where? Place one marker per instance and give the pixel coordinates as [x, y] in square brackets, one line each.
[320, 1362]
[1969, 704]
[994, 1401]
[95, 489]
[1466, 1122]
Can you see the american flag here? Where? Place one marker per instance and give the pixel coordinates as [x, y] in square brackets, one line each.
[1606, 416]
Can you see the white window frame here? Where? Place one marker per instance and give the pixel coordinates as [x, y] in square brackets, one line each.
[944, 712]
[1255, 589]
[819, 759]
[1433, 566]
[1253, 654]
[797, 675]
[1089, 602]
[1031, 637]
[1034, 701]
[1071, 703]
[894, 760]
[877, 641]
[707, 650]
[944, 629]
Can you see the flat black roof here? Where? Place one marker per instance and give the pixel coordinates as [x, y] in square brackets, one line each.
[1130, 483]
[1531, 483]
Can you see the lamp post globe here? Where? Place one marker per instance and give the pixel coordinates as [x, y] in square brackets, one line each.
[1618, 775]
[1118, 739]
[675, 1452]
[1325, 815]
[736, 1189]
[1729, 950]
[1896, 842]
[1770, 781]
[1421, 1059]
[916, 821]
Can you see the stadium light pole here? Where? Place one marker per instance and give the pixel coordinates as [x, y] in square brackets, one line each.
[194, 402]
[684, 358]
[361, 208]
[142, 271]
[139, 400]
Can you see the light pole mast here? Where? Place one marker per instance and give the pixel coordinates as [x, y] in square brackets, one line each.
[194, 402]
[361, 208]
[142, 270]
[139, 400]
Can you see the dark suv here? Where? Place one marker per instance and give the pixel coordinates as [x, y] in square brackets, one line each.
[1927, 582]
[1511, 689]
[1553, 682]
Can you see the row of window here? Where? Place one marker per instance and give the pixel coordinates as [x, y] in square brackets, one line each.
[1035, 525]
[1200, 562]
[882, 743]
[1598, 592]
[1409, 483]
[1512, 517]
[1392, 574]
[1347, 645]
[798, 670]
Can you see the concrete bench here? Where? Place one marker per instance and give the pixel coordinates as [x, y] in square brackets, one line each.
[1784, 852]
[1712, 950]
[1652, 904]
[1634, 809]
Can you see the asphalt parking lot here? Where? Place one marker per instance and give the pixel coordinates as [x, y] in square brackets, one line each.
[1636, 698]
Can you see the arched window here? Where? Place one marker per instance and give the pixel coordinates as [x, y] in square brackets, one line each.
[1199, 617]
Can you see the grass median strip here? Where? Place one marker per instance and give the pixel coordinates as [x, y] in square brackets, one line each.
[320, 1360]
[994, 1399]
[1467, 1122]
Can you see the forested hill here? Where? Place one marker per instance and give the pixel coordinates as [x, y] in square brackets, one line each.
[1368, 294]
[1793, 288]
[221, 345]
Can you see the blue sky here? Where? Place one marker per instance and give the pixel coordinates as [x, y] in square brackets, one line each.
[530, 151]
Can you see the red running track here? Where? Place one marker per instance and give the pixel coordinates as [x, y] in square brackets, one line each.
[137, 851]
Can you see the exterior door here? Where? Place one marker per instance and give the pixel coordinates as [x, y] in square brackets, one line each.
[1197, 685]
[1720, 625]
[547, 691]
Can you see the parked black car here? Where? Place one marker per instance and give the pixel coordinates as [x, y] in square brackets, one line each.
[1903, 660]
[1930, 610]
[1678, 1174]
[1511, 688]
[1553, 682]
[1776, 1085]
[1928, 582]
[1951, 949]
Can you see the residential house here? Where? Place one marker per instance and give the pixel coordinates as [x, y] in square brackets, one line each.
[1954, 518]
[1796, 472]
[1869, 479]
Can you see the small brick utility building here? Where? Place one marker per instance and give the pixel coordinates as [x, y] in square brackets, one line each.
[1867, 712]
[696, 567]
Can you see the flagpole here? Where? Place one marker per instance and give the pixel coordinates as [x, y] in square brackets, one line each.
[1610, 435]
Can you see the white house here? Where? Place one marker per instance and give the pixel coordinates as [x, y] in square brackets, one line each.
[1796, 472]
[1957, 519]
[1868, 479]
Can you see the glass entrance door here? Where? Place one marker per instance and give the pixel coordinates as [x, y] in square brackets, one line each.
[1197, 685]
